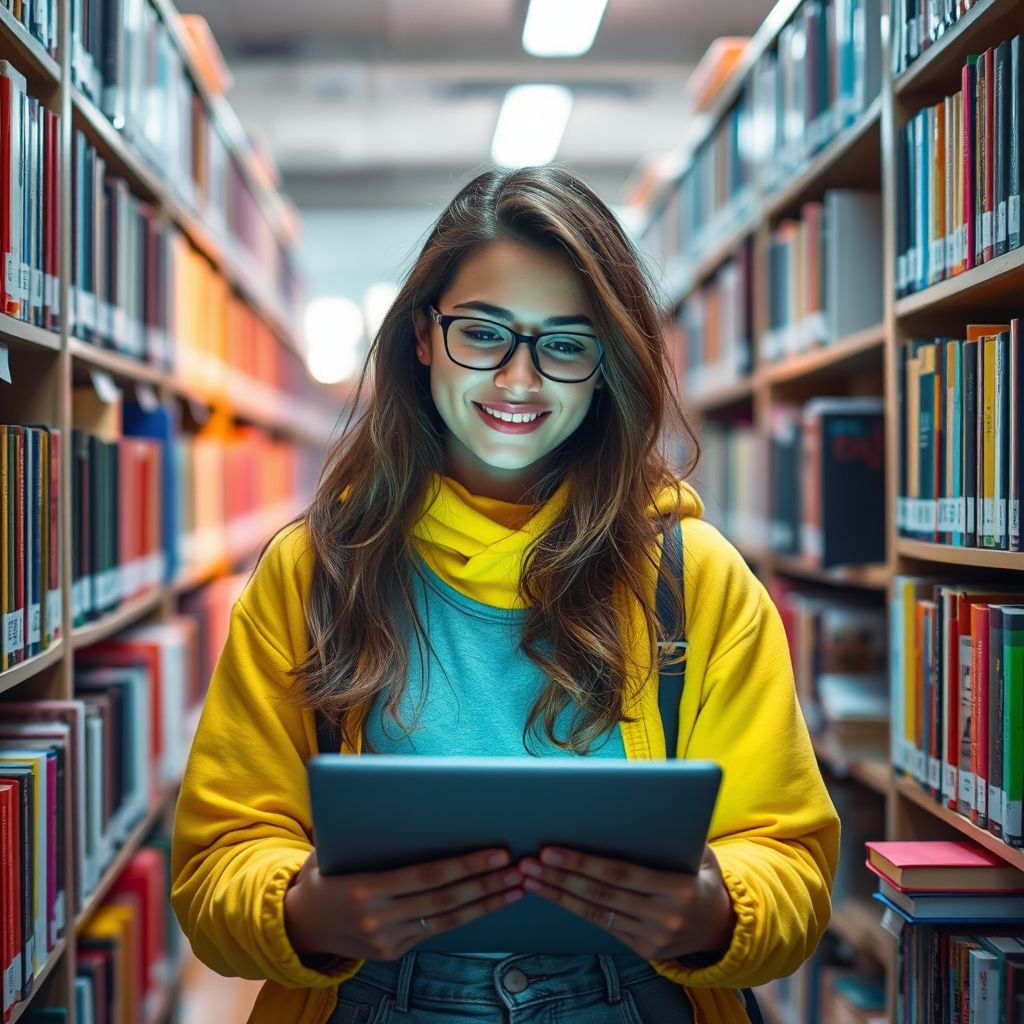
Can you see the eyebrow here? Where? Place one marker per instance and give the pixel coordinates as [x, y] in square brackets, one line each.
[508, 316]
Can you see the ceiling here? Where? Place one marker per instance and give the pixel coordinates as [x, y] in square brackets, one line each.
[391, 103]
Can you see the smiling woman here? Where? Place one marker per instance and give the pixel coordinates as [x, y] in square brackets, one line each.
[476, 576]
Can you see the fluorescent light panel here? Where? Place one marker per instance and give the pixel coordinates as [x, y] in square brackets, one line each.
[530, 125]
[561, 28]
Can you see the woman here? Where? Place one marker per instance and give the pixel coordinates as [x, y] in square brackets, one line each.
[476, 575]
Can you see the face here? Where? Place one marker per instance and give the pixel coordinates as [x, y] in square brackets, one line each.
[523, 287]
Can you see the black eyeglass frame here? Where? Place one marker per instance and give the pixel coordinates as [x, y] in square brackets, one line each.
[531, 340]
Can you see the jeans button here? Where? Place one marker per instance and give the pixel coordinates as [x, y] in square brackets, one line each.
[514, 980]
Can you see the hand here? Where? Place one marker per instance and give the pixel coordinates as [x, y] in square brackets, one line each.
[660, 915]
[380, 916]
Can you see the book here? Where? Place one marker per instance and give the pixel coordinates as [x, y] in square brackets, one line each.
[946, 906]
[942, 866]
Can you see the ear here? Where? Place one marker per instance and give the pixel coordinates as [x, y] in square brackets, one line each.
[424, 347]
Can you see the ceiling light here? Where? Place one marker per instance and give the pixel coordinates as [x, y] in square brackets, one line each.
[561, 28]
[334, 328]
[530, 125]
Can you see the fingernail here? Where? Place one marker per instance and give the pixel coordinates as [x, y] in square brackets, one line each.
[511, 897]
[512, 878]
[551, 857]
[529, 868]
[532, 885]
[498, 860]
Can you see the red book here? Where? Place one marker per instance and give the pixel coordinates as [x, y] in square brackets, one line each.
[55, 533]
[942, 866]
[144, 877]
[10, 270]
[10, 894]
[988, 162]
[968, 112]
[18, 654]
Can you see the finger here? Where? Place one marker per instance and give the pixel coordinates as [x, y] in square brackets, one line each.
[450, 897]
[618, 873]
[591, 890]
[620, 925]
[418, 878]
[415, 931]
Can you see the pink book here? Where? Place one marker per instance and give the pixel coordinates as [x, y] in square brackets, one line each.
[942, 866]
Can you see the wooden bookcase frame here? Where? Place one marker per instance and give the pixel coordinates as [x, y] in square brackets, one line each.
[47, 365]
[863, 155]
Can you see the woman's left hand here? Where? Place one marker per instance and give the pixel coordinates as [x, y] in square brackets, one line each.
[660, 915]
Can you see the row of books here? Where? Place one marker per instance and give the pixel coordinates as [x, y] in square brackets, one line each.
[39, 19]
[840, 660]
[128, 61]
[823, 71]
[824, 273]
[917, 24]
[961, 450]
[957, 697]
[30, 541]
[714, 326]
[961, 950]
[128, 950]
[828, 481]
[958, 170]
[30, 233]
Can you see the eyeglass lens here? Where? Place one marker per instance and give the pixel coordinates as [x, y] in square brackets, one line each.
[482, 345]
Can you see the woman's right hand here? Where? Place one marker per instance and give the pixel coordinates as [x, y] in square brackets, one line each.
[377, 916]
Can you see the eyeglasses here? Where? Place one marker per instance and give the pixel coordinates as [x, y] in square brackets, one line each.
[484, 345]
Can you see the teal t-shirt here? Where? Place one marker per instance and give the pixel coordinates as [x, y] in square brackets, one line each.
[471, 694]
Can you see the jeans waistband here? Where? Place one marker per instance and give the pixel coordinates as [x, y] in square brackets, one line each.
[511, 981]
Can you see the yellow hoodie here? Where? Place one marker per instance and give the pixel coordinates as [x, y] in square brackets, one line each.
[243, 827]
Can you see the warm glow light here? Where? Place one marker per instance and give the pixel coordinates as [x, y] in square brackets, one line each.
[530, 125]
[334, 327]
[376, 302]
[561, 28]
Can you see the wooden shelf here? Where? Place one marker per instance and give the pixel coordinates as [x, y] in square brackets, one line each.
[37, 984]
[125, 853]
[120, 366]
[722, 396]
[17, 331]
[31, 666]
[996, 283]
[123, 617]
[829, 357]
[869, 577]
[859, 144]
[858, 922]
[939, 66]
[981, 558]
[912, 791]
[25, 51]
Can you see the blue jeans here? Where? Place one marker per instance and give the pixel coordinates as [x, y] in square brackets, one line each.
[438, 988]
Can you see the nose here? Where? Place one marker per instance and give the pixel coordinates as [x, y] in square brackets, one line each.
[519, 372]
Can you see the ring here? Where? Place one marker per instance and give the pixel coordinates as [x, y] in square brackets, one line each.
[611, 919]
[423, 923]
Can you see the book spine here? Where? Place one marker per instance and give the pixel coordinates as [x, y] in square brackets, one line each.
[979, 712]
[995, 722]
[988, 158]
[1001, 146]
[1013, 725]
[969, 90]
[1014, 162]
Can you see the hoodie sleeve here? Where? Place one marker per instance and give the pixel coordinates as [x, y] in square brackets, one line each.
[242, 825]
[775, 831]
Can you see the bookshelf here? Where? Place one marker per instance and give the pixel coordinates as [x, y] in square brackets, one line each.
[46, 366]
[861, 154]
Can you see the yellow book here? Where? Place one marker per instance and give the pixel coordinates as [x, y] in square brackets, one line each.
[988, 449]
[120, 925]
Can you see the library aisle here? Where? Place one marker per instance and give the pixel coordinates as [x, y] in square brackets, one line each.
[830, 205]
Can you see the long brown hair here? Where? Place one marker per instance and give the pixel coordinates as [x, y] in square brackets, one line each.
[391, 447]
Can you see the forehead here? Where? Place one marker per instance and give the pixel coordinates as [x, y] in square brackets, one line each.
[531, 282]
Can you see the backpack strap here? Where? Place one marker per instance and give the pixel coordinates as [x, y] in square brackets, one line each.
[670, 677]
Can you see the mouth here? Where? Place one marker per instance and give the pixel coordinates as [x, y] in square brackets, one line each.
[527, 425]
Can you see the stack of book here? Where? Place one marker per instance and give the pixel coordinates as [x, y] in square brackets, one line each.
[964, 957]
[962, 438]
[30, 540]
[824, 70]
[824, 274]
[957, 674]
[959, 174]
[30, 233]
[715, 327]
[828, 481]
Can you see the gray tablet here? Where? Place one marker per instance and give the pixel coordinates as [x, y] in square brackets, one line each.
[376, 812]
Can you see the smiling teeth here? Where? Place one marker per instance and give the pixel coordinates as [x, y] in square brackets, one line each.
[512, 417]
